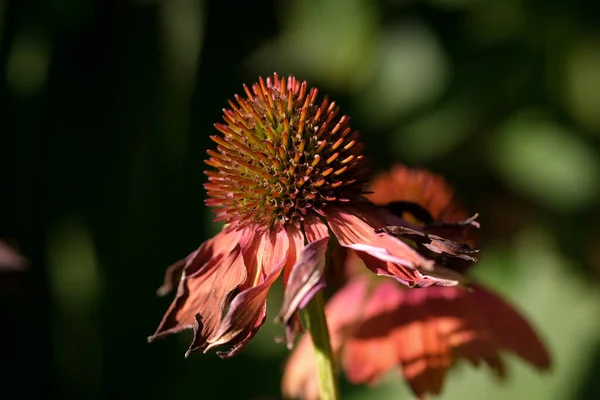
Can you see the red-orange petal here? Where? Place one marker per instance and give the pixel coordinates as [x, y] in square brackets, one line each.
[209, 275]
[371, 350]
[248, 309]
[355, 229]
[314, 228]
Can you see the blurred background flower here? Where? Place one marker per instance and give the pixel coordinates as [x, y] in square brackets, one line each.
[107, 110]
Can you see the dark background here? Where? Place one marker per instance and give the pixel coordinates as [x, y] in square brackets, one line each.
[105, 111]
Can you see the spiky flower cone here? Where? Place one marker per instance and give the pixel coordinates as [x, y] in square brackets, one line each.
[282, 154]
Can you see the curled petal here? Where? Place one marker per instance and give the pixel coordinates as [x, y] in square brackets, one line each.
[201, 297]
[173, 274]
[247, 311]
[433, 243]
[412, 277]
[306, 279]
[355, 229]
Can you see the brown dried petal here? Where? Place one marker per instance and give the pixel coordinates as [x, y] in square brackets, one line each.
[436, 244]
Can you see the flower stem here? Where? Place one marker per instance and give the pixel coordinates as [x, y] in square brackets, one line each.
[314, 314]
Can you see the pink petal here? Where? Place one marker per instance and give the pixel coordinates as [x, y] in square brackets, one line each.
[355, 229]
[371, 350]
[204, 294]
[411, 277]
[174, 273]
[314, 228]
[248, 309]
[296, 239]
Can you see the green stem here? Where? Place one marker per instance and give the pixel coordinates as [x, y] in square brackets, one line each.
[317, 326]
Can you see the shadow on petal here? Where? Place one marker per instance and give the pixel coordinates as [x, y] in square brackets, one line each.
[432, 328]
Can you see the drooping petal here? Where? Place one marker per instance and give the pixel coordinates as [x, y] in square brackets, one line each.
[174, 272]
[306, 279]
[412, 277]
[197, 277]
[431, 329]
[214, 247]
[355, 229]
[247, 311]
[202, 296]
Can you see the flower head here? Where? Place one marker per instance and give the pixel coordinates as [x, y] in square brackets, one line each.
[288, 174]
[377, 325]
[282, 155]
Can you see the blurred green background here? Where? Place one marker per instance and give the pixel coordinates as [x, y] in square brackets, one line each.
[106, 108]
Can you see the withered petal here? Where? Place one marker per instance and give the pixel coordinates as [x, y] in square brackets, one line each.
[411, 277]
[355, 229]
[247, 310]
[204, 293]
[433, 243]
[173, 275]
[235, 349]
[306, 279]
